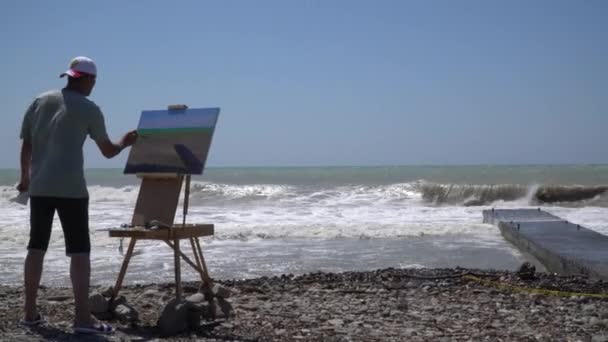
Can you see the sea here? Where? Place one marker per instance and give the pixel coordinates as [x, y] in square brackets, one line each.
[293, 220]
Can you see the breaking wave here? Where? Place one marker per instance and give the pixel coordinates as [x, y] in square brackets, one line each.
[476, 195]
[413, 193]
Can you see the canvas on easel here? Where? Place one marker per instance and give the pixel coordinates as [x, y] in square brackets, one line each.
[173, 141]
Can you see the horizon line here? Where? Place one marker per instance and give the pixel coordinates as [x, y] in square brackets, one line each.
[362, 166]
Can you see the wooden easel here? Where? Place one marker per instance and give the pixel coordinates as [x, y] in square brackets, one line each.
[153, 219]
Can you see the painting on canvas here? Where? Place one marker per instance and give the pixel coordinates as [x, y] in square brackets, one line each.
[173, 141]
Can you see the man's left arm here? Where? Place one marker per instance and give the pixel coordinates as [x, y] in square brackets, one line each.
[26, 148]
[26, 160]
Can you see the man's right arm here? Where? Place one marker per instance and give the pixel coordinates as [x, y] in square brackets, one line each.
[110, 149]
[97, 131]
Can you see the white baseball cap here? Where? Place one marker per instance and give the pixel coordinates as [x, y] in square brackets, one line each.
[81, 66]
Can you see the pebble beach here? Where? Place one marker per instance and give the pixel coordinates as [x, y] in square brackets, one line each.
[384, 305]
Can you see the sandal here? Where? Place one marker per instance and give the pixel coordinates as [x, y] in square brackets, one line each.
[37, 321]
[100, 328]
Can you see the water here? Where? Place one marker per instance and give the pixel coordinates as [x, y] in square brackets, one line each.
[293, 220]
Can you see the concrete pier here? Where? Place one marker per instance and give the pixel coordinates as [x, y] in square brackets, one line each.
[561, 246]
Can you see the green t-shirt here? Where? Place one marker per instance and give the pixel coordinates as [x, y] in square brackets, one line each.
[57, 124]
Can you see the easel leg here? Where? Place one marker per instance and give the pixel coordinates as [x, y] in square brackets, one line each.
[197, 259]
[123, 269]
[185, 257]
[200, 254]
[201, 268]
[178, 272]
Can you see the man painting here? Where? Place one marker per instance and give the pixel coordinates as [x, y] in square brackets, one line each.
[54, 129]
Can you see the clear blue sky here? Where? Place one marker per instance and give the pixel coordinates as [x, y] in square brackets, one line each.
[330, 82]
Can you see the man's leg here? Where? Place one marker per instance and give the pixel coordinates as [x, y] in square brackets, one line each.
[42, 211]
[32, 274]
[74, 216]
[80, 273]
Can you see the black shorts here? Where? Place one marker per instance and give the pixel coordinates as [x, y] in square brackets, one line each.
[74, 216]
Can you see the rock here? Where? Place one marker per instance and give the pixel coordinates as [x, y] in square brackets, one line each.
[526, 271]
[410, 332]
[190, 288]
[593, 321]
[579, 320]
[496, 325]
[59, 298]
[225, 306]
[599, 338]
[589, 308]
[211, 313]
[194, 318]
[127, 313]
[307, 319]
[355, 324]
[204, 311]
[336, 321]
[199, 306]
[175, 317]
[440, 319]
[227, 325]
[196, 298]
[220, 291]
[118, 301]
[150, 293]
[280, 332]
[290, 288]
[249, 306]
[411, 285]
[98, 304]
[108, 292]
